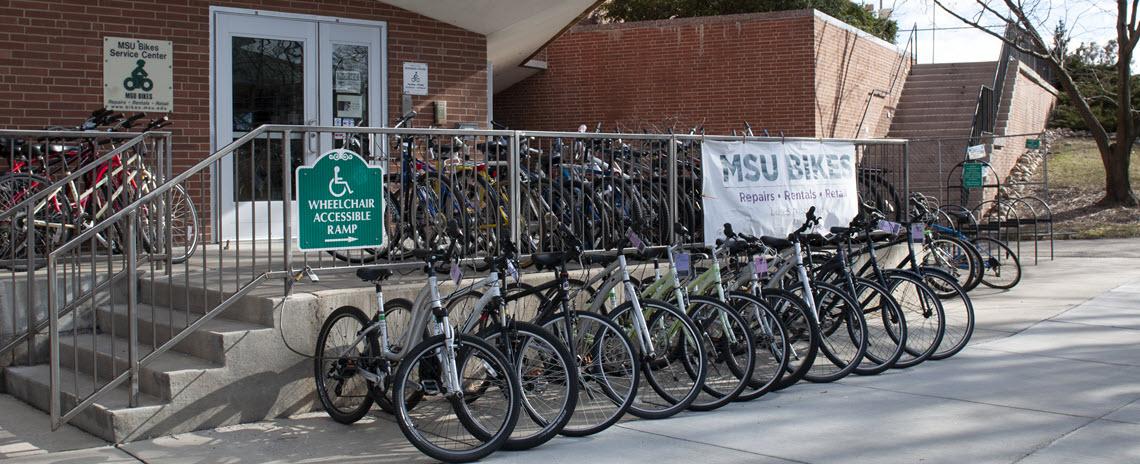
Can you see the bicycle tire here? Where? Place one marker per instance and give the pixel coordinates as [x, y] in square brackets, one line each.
[959, 313]
[419, 361]
[536, 426]
[926, 321]
[803, 334]
[670, 403]
[886, 327]
[998, 262]
[730, 351]
[601, 371]
[322, 370]
[843, 339]
[770, 338]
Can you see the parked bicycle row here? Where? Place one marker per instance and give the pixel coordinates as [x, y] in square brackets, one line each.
[589, 183]
[650, 331]
[99, 176]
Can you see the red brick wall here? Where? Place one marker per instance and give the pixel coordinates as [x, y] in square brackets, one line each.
[858, 81]
[798, 72]
[51, 71]
[720, 70]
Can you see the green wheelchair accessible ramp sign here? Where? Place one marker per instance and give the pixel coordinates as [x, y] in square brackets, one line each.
[339, 203]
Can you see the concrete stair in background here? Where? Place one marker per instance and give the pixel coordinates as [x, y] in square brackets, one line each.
[939, 100]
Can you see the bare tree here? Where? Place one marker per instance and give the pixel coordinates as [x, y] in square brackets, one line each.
[1115, 150]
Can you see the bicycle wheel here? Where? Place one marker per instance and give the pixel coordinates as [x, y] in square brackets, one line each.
[771, 340]
[843, 333]
[456, 426]
[545, 369]
[182, 226]
[958, 310]
[886, 327]
[51, 221]
[1000, 265]
[671, 382]
[953, 257]
[344, 393]
[925, 320]
[804, 338]
[730, 349]
[607, 368]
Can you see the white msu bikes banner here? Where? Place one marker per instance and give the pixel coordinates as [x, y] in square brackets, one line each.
[765, 188]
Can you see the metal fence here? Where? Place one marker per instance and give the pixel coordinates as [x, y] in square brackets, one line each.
[56, 185]
[1013, 201]
[192, 247]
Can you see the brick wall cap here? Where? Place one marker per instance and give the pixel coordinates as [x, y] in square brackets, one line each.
[1036, 78]
[695, 20]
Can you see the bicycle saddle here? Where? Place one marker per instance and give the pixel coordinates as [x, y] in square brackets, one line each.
[815, 240]
[598, 259]
[550, 260]
[373, 274]
[776, 242]
[429, 255]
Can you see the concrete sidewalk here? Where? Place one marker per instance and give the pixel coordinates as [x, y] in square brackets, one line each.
[1052, 375]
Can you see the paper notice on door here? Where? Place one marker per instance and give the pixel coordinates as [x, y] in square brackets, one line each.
[349, 106]
[347, 82]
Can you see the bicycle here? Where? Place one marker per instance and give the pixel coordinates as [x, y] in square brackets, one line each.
[460, 376]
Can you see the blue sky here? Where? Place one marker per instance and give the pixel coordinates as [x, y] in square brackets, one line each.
[1092, 20]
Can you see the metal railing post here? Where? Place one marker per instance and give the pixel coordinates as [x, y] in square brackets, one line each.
[513, 171]
[132, 308]
[906, 180]
[30, 285]
[673, 189]
[287, 211]
[53, 343]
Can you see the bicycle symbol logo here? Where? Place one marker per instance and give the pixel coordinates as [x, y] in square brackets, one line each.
[138, 79]
[336, 180]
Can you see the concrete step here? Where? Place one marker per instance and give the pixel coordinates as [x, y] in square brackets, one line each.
[948, 132]
[104, 356]
[32, 385]
[942, 68]
[961, 90]
[945, 117]
[156, 324]
[933, 80]
[190, 293]
[936, 104]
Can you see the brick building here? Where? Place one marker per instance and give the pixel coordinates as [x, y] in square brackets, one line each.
[798, 72]
[238, 64]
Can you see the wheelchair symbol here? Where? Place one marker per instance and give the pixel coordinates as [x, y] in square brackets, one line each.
[336, 180]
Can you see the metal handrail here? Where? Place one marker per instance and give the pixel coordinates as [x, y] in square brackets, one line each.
[26, 206]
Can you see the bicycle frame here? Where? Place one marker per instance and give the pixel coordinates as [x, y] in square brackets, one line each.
[612, 280]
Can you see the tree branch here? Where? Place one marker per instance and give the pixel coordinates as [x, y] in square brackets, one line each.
[977, 25]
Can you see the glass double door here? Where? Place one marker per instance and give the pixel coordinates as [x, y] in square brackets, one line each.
[285, 70]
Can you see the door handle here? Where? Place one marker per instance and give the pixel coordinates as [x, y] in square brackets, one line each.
[312, 137]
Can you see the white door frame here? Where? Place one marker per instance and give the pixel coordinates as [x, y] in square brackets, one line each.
[220, 190]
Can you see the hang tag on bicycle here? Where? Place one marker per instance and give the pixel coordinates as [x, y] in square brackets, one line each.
[760, 265]
[682, 262]
[918, 232]
[512, 271]
[456, 273]
[635, 240]
[890, 226]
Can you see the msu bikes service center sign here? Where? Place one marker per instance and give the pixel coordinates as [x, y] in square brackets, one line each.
[138, 75]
